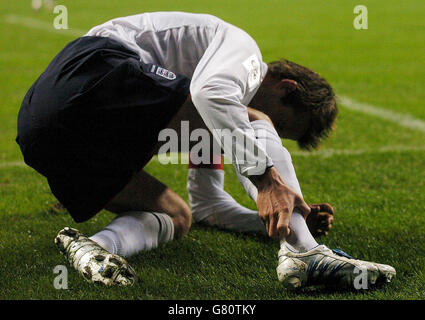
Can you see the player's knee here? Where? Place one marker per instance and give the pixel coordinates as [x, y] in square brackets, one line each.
[182, 222]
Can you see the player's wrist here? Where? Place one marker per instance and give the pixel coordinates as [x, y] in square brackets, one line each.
[267, 180]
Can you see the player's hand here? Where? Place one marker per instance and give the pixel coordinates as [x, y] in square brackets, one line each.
[320, 219]
[275, 203]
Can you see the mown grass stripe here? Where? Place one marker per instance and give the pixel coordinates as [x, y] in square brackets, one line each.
[41, 25]
[174, 157]
[401, 119]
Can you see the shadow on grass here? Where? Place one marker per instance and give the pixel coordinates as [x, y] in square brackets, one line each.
[234, 264]
[256, 236]
[319, 291]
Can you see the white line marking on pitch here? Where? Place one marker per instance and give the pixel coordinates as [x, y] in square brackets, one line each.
[327, 153]
[175, 157]
[401, 119]
[42, 25]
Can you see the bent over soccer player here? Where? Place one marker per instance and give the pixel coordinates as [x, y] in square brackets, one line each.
[90, 123]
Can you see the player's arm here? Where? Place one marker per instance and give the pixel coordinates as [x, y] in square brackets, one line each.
[220, 83]
[320, 219]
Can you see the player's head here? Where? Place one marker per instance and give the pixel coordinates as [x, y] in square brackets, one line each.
[302, 104]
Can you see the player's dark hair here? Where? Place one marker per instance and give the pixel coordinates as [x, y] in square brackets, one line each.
[313, 94]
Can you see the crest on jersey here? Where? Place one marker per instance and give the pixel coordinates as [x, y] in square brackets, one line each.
[167, 74]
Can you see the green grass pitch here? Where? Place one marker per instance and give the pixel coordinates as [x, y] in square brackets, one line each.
[372, 170]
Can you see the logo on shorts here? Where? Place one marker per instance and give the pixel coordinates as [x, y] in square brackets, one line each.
[167, 74]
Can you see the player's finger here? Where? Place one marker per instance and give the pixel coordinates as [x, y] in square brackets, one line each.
[325, 226]
[303, 206]
[283, 225]
[272, 227]
[267, 224]
[326, 207]
[262, 213]
[325, 221]
[314, 208]
[318, 233]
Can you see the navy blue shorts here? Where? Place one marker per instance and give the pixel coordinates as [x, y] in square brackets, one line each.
[92, 119]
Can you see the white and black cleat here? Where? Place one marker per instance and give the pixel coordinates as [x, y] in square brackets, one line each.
[334, 268]
[92, 261]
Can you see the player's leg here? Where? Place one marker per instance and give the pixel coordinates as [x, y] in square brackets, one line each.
[149, 213]
[300, 237]
[300, 256]
[213, 206]
[301, 260]
[100, 130]
[37, 4]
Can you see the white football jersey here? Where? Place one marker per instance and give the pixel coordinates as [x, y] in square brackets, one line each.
[223, 62]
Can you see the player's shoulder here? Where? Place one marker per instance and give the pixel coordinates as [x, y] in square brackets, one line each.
[175, 19]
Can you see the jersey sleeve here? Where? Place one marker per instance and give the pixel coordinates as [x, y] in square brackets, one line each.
[225, 80]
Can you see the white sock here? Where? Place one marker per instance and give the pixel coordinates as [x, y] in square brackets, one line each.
[300, 237]
[133, 232]
[211, 205]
